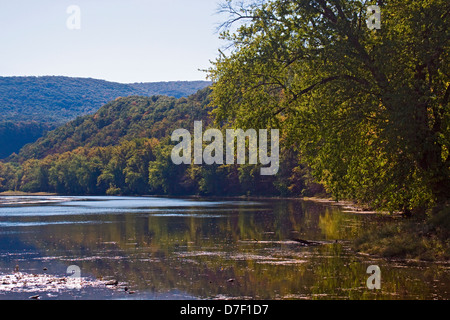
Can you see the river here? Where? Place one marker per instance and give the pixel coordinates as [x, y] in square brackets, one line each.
[174, 248]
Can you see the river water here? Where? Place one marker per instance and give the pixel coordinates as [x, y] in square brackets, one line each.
[170, 248]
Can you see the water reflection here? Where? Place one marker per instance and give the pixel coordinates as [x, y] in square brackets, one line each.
[208, 249]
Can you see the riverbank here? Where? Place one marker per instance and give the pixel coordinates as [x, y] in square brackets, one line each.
[20, 193]
[424, 238]
[421, 237]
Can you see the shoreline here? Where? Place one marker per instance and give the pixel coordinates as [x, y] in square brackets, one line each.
[349, 205]
[26, 194]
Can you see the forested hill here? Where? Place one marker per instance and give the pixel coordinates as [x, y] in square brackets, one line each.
[60, 99]
[30, 106]
[125, 148]
[122, 119]
[176, 89]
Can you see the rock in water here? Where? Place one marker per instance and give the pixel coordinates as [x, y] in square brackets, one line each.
[306, 242]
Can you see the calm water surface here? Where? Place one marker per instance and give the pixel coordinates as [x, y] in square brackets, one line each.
[163, 248]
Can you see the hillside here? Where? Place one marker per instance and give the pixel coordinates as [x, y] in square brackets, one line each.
[122, 119]
[14, 135]
[176, 89]
[30, 106]
[125, 148]
[60, 99]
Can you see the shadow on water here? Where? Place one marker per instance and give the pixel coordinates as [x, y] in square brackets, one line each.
[175, 248]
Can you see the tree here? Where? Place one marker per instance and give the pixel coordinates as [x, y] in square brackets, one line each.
[367, 109]
[8, 177]
[35, 176]
[164, 175]
[136, 170]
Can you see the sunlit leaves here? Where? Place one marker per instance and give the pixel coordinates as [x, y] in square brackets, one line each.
[367, 109]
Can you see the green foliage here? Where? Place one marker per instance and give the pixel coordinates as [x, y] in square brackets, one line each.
[113, 191]
[366, 109]
[8, 177]
[31, 106]
[103, 170]
[122, 119]
[164, 176]
[125, 148]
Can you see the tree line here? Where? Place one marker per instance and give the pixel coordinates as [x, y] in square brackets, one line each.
[125, 149]
[143, 166]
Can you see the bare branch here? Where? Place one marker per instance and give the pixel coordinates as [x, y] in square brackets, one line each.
[235, 13]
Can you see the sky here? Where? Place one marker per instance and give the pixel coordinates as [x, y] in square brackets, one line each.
[123, 41]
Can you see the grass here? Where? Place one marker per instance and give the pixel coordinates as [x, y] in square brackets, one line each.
[20, 193]
[420, 238]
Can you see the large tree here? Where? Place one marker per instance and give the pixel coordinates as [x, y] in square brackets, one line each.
[367, 108]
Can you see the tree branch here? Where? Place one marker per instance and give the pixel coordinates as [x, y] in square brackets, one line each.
[322, 82]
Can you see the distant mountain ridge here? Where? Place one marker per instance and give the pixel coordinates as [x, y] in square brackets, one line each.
[30, 106]
[61, 99]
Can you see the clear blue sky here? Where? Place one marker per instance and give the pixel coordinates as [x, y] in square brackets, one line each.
[119, 40]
